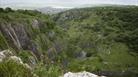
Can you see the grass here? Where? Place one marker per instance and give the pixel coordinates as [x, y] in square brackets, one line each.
[48, 71]
[119, 59]
[3, 42]
[10, 68]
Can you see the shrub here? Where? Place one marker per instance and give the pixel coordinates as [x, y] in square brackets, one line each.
[48, 71]
[9, 68]
[7, 9]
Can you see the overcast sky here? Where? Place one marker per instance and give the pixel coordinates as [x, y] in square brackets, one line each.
[62, 3]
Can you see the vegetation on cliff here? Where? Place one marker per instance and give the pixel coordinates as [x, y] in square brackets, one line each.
[91, 39]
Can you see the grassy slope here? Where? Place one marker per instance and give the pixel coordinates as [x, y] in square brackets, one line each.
[109, 31]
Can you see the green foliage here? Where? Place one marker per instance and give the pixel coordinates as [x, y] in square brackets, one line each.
[116, 59]
[3, 42]
[29, 12]
[48, 71]
[8, 9]
[10, 68]
[1, 10]
[27, 56]
[91, 39]
[107, 34]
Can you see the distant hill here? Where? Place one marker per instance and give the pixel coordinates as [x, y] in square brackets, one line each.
[100, 5]
[51, 10]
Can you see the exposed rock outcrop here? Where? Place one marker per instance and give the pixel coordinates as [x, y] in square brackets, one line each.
[16, 34]
[81, 74]
[8, 55]
[4, 54]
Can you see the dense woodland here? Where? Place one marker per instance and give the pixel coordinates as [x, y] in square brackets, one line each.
[94, 39]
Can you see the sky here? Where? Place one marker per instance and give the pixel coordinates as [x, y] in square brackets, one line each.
[61, 3]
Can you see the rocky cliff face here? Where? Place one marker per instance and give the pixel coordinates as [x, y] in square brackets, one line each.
[21, 36]
[17, 34]
[25, 30]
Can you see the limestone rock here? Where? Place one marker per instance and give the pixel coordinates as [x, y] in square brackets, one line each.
[4, 54]
[35, 24]
[81, 74]
[16, 59]
[8, 55]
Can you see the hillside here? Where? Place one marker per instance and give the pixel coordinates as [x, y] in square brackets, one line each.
[31, 36]
[105, 37]
[102, 40]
